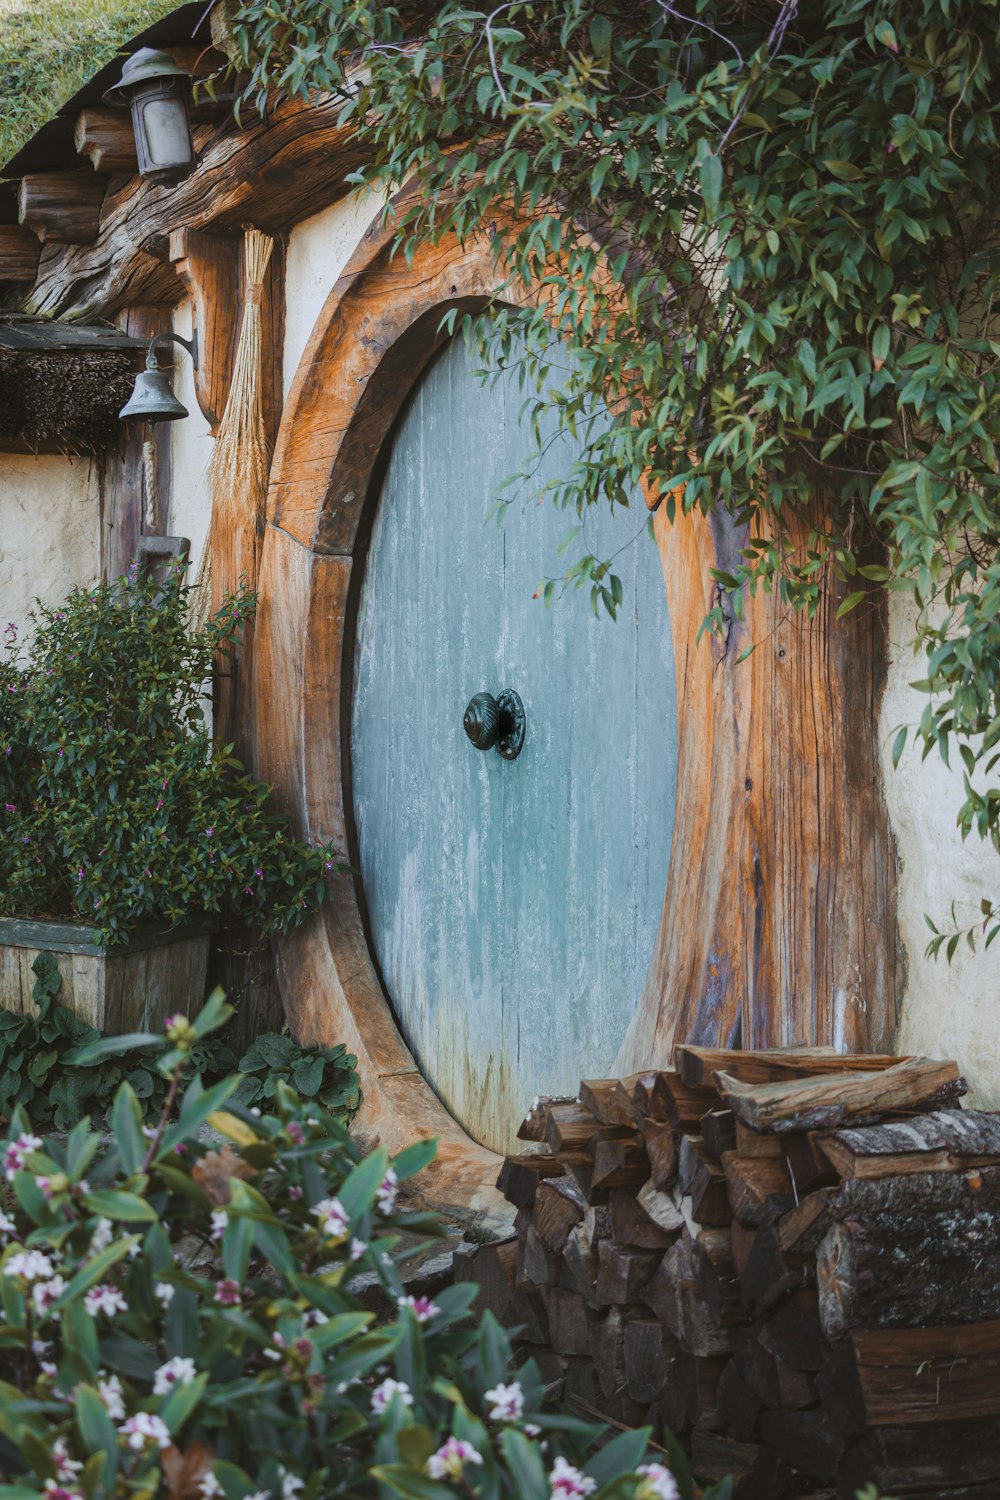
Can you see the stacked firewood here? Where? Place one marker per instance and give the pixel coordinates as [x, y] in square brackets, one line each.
[791, 1259]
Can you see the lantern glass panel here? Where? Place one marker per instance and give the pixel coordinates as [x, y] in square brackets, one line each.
[164, 126]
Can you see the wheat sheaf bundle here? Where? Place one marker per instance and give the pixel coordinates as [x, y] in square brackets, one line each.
[238, 471]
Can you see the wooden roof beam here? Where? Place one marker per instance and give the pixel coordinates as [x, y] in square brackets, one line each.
[105, 137]
[19, 252]
[273, 172]
[64, 207]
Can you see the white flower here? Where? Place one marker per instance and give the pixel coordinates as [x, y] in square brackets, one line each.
[102, 1236]
[44, 1293]
[54, 1489]
[104, 1299]
[144, 1428]
[7, 1225]
[423, 1308]
[385, 1196]
[219, 1221]
[290, 1484]
[66, 1467]
[14, 1155]
[658, 1483]
[31, 1264]
[163, 1291]
[258, 1495]
[176, 1371]
[567, 1483]
[333, 1221]
[449, 1459]
[109, 1388]
[508, 1402]
[315, 1318]
[357, 1248]
[383, 1394]
[210, 1486]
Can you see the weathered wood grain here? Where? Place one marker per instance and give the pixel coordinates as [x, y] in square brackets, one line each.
[805, 1103]
[105, 137]
[61, 207]
[698, 1065]
[20, 250]
[940, 1141]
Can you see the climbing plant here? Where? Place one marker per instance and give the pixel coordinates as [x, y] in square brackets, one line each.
[797, 204]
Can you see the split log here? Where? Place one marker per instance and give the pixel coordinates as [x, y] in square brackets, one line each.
[520, 1175]
[61, 207]
[578, 1267]
[106, 138]
[808, 1168]
[619, 1162]
[718, 1132]
[758, 1475]
[662, 1147]
[674, 1296]
[808, 1103]
[536, 1264]
[704, 1181]
[792, 1333]
[569, 1327]
[759, 1189]
[796, 1388]
[741, 1240]
[622, 1274]
[493, 1268]
[610, 1101]
[708, 1369]
[757, 1366]
[716, 1276]
[662, 1096]
[754, 1143]
[924, 1375]
[806, 1441]
[559, 1207]
[938, 1142]
[607, 1348]
[927, 1459]
[678, 1402]
[770, 1272]
[739, 1404]
[535, 1122]
[569, 1130]
[904, 1270]
[698, 1065]
[19, 253]
[632, 1226]
[645, 1365]
[661, 1208]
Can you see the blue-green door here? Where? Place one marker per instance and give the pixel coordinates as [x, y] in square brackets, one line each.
[513, 905]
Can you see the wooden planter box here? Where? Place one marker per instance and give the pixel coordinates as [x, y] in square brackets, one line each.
[132, 988]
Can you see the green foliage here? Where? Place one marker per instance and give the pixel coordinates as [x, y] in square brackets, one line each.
[325, 1074]
[116, 805]
[796, 298]
[171, 1308]
[50, 48]
[57, 1068]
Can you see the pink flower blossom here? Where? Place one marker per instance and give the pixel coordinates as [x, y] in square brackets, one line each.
[109, 1388]
[333, 1220]
[143, 1429]
[423, 1308]
[45, 1293]
[448, 1461]
[31, 1264]
[658, 1483]
[17, 1151]
[385, 1196]
[567, 1483]
[383, 1394]
[220, 1220]
[507, 1402]
[228, 1292]
[104, 1299]
[176, 1371]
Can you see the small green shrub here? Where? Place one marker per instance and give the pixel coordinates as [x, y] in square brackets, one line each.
[115, 805]
[325, 1074]
[178, 1321]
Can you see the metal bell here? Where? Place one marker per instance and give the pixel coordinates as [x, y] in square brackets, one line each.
[152, 400]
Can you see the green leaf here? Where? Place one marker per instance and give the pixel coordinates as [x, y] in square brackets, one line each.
[182, 1401]
[126, 1207]
[415, 1158]
[899, 745]
[525, 1464]
[622, 1455]
[409, 1483]
[710, 176]
[110, 1046]
[126, 1126]
[94, 1270]
[851, 602]
[97, 1433]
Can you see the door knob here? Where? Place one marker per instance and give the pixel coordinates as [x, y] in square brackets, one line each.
[493, 721]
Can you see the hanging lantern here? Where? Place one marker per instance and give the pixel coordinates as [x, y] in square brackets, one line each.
[156, 90]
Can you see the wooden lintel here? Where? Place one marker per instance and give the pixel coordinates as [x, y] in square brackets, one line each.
[19, 252]
[273, 172]
[105, 137]
[64, 207]
[209, 268]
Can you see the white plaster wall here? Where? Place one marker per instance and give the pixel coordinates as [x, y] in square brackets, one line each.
[190, 507]
[318, 250]
[50, 531]
[947, 1010]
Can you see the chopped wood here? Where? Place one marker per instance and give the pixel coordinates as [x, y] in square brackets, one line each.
[808, 1167]
[569, 1130]
[607, 1347]
[662, 1147]
[62, 207]
[619, 1162]
[520, 1175]
[622, 1273]
[536, 1266]
[792, 1332]
[662, 1096]
[19, 253]
[610, 1101]
[704, 1181]
[759, 1188]
[532, 1127]
[661, 1208]
[569, 1328]
[716, 1276]
[932, 1459]
[741, 1239]
[754, 1143]
[493, 1268]
[633, 1227]
[739, 1404]
[578, 1270]
[645, 1365]
[718, 1132]
[769, 1272]
[806, 1440]
[808, 1103]
[698, 1065]
[937, 1142]
[106, 138]
[559, 1207]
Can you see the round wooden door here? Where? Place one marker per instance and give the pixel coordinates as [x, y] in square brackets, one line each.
[512, 905]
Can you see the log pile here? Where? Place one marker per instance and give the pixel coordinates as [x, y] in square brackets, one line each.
[791, 1259]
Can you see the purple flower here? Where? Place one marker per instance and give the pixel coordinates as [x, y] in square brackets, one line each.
[228, 1292]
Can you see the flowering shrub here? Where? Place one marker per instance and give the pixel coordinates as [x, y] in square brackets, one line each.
[115, 805]
[178, 1321]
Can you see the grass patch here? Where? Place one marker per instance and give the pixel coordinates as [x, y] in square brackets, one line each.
[48, 50]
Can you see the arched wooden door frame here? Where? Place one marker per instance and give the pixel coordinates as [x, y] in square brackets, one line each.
[745, 948]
